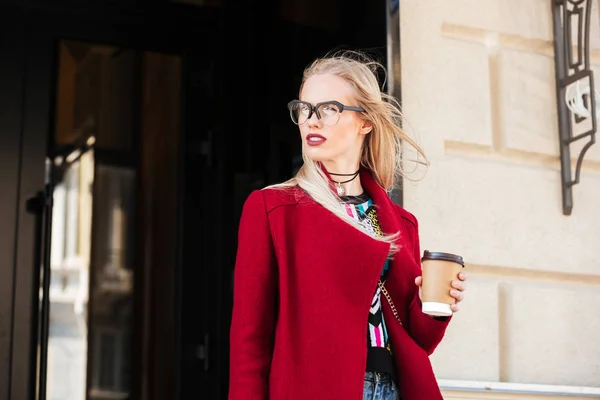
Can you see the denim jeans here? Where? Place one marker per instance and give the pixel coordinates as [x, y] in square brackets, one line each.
[379, 387]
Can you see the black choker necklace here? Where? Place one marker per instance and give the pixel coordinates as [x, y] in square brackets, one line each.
[340, 189]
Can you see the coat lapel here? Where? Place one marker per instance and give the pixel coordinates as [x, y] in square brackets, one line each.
[383, 203]
[390, 223]
[353, 258]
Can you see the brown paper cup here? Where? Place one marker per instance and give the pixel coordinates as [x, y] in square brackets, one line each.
[439, 270]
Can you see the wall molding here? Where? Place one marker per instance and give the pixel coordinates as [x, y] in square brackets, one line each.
[514, 156]
[459, 389]
[510, 41]
[525, 274]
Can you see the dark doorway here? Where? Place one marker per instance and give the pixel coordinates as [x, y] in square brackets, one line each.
[254, 144]
[147, 123]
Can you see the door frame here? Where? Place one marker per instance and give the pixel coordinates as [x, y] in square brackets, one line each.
[11, 98]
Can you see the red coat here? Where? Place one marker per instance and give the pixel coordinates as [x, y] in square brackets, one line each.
[303, 285]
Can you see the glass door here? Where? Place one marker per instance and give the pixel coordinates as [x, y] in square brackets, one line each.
[112, 185]
[92, 271]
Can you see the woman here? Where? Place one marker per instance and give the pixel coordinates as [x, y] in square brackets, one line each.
[315, 253]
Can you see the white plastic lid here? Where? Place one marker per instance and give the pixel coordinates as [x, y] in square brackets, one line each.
[437, 309]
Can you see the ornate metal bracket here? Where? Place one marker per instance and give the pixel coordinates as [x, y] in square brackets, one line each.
[572, 64]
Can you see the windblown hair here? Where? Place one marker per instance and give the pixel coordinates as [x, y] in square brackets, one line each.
[382, 147]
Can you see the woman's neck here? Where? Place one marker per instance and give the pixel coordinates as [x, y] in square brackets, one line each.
[346, 177]
[353, 188]
[341, 167]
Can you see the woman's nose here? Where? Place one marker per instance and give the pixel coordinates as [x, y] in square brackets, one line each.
[314, 120]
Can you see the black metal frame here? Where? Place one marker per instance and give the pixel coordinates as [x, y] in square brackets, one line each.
[570, 69]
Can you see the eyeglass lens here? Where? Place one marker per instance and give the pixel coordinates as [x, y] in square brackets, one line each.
[328, 113]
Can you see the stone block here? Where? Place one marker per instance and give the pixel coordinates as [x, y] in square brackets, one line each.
[527, 102]
[553, 335]
[475, 342]
[506, 214]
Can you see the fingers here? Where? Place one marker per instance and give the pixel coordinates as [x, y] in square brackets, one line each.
[458, 287]
[419, 281]
[457, 294]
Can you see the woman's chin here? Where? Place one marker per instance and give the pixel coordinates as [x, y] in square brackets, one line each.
[316, 154]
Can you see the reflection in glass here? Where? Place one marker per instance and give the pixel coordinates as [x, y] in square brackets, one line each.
[70, 264]
[117, 110]
[91, 293]
[112, 282]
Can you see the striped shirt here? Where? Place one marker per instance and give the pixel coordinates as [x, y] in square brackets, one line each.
[379, 352]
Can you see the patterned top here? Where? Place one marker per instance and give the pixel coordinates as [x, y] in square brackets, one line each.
[379, 352]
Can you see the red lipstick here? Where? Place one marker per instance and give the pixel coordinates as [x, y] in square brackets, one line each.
[314, 139]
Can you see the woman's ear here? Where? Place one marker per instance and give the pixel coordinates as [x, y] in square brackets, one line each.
[366, 127]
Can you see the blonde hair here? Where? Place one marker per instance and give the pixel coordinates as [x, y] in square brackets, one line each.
[382, 148]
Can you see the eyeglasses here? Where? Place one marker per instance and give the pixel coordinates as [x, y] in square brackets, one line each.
[327, 112]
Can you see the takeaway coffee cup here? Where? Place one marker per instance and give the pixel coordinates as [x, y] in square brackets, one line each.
[439, 270]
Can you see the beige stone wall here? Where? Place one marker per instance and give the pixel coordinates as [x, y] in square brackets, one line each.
[478, 91]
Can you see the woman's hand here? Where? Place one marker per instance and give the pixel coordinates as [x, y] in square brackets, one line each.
[458, 287]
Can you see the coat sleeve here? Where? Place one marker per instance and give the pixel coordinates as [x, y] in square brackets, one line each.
[254, 297]
[426, 330]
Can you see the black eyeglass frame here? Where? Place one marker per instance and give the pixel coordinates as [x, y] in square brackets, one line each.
[315, 108]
